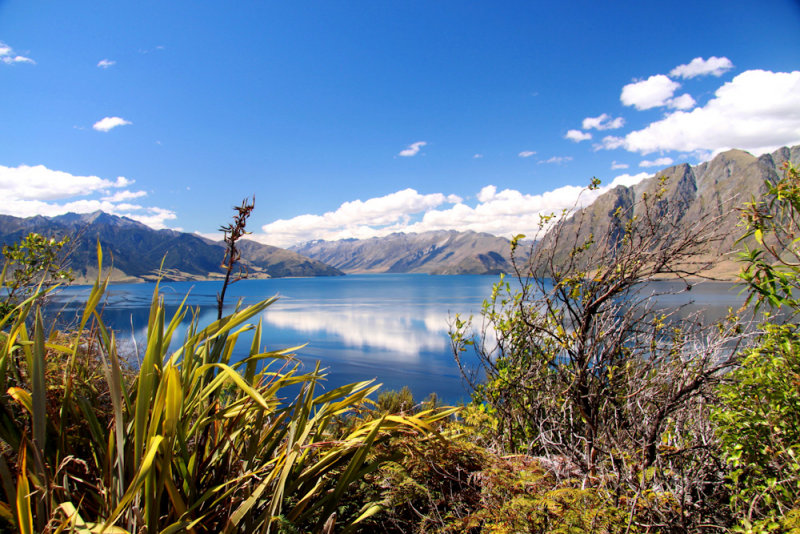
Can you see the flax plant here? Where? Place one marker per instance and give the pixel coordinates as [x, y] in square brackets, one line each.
[191, 441]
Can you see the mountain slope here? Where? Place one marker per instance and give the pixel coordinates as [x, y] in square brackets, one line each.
[715, 188]
[137, 250]
[439, 252]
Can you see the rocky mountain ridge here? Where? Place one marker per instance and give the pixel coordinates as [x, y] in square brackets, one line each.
[713, 189]
[436, 252]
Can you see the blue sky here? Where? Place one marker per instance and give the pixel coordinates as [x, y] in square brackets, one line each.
[364, 117]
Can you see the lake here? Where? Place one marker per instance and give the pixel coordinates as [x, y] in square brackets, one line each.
[391, 327]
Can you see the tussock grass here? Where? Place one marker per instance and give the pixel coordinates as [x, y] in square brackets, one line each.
[191, 441]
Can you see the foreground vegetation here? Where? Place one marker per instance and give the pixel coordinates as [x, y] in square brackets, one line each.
[188, 440]
[594, 410]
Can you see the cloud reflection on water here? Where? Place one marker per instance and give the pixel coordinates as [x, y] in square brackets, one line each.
[389, 329]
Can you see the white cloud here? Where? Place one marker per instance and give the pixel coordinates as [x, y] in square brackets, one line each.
[412, 149]
[660, 162]
[125, 195]
[504, 213]
[577, 136]
[610, 142]
[757, 111]
[556, 159]
[685, 101]
[716, 66]
[615, 165]
[653, 92]
[36, 190]
[603, 122]
[9, 57]
[526, 153]
[105, 63]
[628, 180]
[40, 183]
[487, 193]
[356, 218]
[153, 217]
[477, 156]
[107, 123]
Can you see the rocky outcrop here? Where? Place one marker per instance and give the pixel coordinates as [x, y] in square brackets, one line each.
[716, 188]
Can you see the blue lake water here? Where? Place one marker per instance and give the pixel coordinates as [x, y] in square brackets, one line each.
[390, 327]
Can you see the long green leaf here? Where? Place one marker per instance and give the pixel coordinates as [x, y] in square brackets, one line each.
[38, 388]
[24, 514]
[146, 383]
[230, 373]
[146, 466]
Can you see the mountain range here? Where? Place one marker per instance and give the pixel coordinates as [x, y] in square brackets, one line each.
[136, 251]
[711, 189]
[437, 252]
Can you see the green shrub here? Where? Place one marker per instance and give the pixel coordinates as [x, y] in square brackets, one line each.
[758, 416]
[758, 420]
[30, 267]
[391, 401]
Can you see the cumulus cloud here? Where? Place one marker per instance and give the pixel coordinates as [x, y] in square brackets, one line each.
[603, 122]
[615, 165]
[477, 156]
[653, 92]
[715, 66]
[105, 63]
[487, 193]
[356, 218]
[577, 136]
[685, 101]
[556, 159]
[107, 123]
[37, 190]
[660, 162]
[39, 182]
[504, 212]
[658, 90]
[757, 110]
[9, 57]
[526, 153]
[412, 149]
